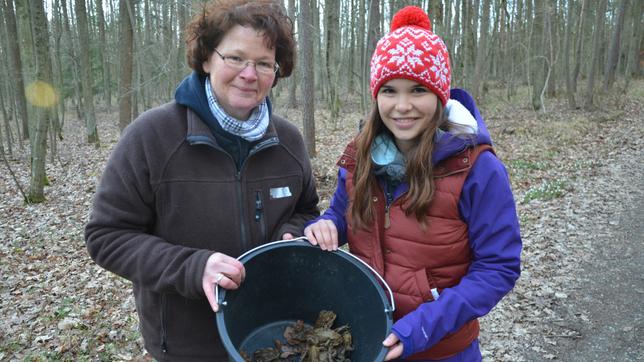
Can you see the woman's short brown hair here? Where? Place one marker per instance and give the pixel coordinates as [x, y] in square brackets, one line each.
[205, 30]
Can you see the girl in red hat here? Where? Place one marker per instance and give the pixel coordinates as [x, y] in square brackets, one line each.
[423, 199]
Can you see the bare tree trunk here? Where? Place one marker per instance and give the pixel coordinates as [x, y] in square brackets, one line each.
[550, 24]
[292, 82]
[481, 54]
[615, 45]
[373, 35]
[308, 75]
[58, 61]
[105, 65]
[352, 47]
[72, 49]
[633, 62]
[16, 65]
[86, 78]
[583, 14]
[126, 15]
[362, 57]
[538, 58]
[43, 112]
[181, 59]
[331, 27]
[570, 93]
[597, 35]
[7, 125]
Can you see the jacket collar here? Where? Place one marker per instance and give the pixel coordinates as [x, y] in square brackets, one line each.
[198, 132]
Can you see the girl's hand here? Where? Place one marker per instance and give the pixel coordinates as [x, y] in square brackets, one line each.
[223, 270]
[394, 345]
[324, 233]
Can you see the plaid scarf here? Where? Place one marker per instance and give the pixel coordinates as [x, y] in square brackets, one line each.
[251, 129]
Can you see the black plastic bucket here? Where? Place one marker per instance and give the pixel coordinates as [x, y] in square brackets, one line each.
[288, 281]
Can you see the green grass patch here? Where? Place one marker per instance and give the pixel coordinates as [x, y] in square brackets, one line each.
[64, 309]
[547, 190]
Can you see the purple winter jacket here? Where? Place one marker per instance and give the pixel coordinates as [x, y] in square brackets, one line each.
[487, 206]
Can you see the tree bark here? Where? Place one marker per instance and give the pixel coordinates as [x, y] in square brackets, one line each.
[86, 74]
[594, 66]
[615, 46]
[362, 58]
[16, 65]
[292, 81]
[42, 106]
[633, 62]
[331, 27]
[373, 35]
[481, 53]
[308, 75]
[126, 15]
[570, 93]
[72, 49]
[105, 64]
[583, 14]
[538, 58]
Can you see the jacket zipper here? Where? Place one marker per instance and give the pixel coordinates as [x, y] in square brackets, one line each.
[164, 345]
[388, 201]
[240, 197]
[259, 210]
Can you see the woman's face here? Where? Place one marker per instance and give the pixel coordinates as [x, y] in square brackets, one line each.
[406, 108]
[239, 91]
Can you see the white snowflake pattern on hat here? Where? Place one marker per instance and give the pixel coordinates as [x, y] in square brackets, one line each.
[405, 52]
[412, 51]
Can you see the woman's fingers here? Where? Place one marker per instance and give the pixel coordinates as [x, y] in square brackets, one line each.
[222, 270]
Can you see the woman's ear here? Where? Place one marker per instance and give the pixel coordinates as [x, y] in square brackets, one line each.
[206, 66]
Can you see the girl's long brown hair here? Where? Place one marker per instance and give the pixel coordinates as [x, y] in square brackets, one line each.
[419, 174]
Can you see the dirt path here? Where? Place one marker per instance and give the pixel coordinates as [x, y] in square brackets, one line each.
[600, 315]
[610, 287]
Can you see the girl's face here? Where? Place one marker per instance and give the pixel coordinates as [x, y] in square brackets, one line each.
[406, 108]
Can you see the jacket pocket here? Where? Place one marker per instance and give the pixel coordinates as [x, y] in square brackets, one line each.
[425, 284]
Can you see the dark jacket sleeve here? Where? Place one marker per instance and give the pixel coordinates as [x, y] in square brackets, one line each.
[119, 232]
[306, 207]
[488, 208]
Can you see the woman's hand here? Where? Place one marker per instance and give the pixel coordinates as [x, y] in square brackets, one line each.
[394, 345]
[223, 270]
[324, 233]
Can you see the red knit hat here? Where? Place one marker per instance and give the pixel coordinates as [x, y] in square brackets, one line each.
[412, 51]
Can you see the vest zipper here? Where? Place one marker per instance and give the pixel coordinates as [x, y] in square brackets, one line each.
[259, 209]
[388, 201]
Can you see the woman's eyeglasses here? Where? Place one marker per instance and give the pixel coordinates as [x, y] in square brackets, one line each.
[240, 63]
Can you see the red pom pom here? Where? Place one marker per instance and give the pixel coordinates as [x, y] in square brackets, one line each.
[411, 16]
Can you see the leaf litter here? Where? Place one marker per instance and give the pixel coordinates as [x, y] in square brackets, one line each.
[56, 304]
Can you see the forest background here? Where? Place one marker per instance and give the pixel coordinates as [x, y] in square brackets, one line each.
[552, 77]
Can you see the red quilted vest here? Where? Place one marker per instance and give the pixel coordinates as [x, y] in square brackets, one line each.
[419, 264]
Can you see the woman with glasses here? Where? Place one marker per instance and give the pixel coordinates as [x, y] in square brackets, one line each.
[194, 183]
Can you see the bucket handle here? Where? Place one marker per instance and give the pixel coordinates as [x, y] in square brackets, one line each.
[303, 238]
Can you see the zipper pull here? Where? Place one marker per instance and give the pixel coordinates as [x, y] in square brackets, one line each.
[387, 218]
[258, 206]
